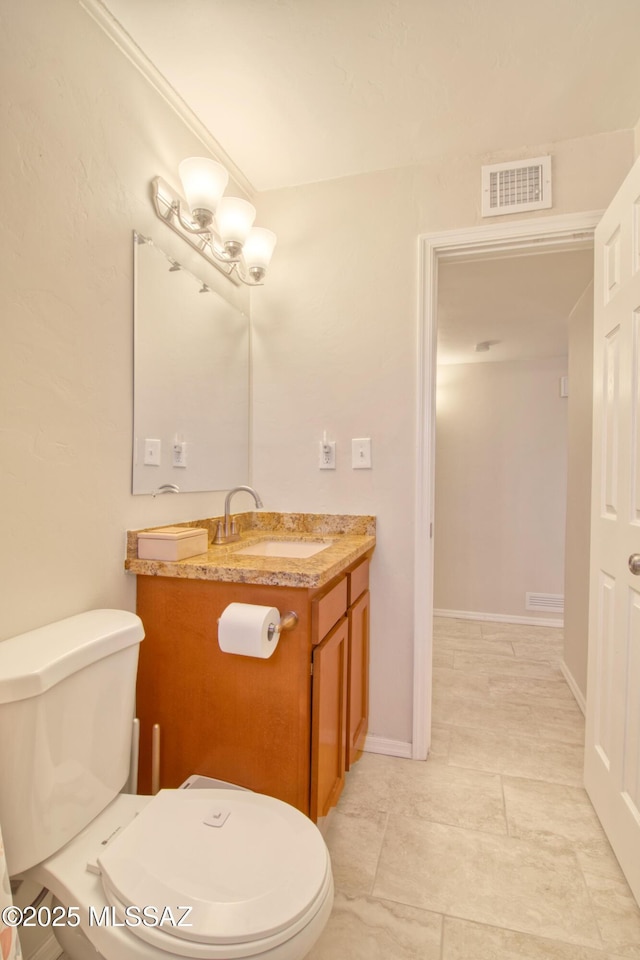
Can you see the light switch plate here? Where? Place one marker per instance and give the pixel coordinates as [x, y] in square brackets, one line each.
[152, 453]
[361, 453]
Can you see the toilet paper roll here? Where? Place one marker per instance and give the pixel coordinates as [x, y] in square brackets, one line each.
[243, 628]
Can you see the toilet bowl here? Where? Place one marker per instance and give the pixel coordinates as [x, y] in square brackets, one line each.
[150, 877]
[208, 874]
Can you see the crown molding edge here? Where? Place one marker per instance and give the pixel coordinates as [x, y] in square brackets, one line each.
[127, 45]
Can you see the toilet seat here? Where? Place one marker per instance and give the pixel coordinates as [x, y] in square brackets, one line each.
[72, 875]
[259, 876]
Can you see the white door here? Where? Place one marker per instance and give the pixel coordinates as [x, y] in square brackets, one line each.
[612, 749]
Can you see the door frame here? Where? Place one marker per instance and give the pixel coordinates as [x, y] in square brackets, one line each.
[514, 238]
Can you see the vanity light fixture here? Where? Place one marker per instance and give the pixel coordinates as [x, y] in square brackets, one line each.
[220, 228]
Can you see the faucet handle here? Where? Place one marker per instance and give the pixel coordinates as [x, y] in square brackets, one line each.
[234, 532]
[220, 537]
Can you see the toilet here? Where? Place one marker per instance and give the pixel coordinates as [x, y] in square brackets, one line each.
[215, 874]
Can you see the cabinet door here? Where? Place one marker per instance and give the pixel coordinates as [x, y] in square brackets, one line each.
[234, 718]
[358, 678]
[329, 720]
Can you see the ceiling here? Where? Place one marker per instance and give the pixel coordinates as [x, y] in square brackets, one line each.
[297, 91]
[523, 302]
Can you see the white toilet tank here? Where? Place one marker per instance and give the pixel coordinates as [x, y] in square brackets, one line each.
[67, 701]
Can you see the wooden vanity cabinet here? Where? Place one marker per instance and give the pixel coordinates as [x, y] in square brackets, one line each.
[288, 726]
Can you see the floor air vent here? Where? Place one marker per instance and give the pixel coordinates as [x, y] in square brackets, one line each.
[516, 187]
[548, 602]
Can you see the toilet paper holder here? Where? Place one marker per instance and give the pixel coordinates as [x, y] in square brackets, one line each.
[287, 622]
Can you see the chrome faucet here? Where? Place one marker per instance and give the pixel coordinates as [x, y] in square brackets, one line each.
[228, 532]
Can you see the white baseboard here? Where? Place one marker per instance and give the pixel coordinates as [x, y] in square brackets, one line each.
[498, 618]
[573, 686]
[49, 949]
[389, 748]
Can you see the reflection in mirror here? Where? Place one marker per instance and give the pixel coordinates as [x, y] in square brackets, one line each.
[191, 380]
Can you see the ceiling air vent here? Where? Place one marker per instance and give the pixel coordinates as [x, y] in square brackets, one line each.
[516, 187]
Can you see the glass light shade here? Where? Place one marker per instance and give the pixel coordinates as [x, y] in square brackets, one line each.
[258, 248]
[203, 181]
[234, 219]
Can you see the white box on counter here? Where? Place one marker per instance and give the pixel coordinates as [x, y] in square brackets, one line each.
[172, 543]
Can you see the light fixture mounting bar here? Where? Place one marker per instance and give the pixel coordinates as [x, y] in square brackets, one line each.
[167, 203]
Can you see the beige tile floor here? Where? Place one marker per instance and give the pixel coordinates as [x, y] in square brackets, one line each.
[490, 850]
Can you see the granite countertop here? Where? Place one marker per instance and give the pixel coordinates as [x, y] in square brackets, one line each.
[351, 537]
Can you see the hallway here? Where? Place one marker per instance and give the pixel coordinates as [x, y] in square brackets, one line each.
[490, 850]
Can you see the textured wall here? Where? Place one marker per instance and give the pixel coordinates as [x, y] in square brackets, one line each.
[83, 134]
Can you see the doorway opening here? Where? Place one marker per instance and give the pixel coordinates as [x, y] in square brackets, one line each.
[493, 243]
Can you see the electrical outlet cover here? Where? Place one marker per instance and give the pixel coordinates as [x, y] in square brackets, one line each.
[327, 450]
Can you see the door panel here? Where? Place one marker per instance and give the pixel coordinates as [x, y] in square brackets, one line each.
[604, 657]
[329, 720]
[631, 758]
[635, 414]
[612, 748]
[611, 374]
[358, 679]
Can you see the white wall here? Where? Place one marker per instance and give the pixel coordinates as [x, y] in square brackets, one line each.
[83, 135]
[580, 417]
[335, 348]
[501, 442]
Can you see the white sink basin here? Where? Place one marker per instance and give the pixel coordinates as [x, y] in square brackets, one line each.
[284, 548]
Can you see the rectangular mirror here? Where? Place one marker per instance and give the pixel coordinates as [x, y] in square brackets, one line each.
[191, 380]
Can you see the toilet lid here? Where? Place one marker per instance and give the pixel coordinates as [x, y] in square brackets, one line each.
[249, 877]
